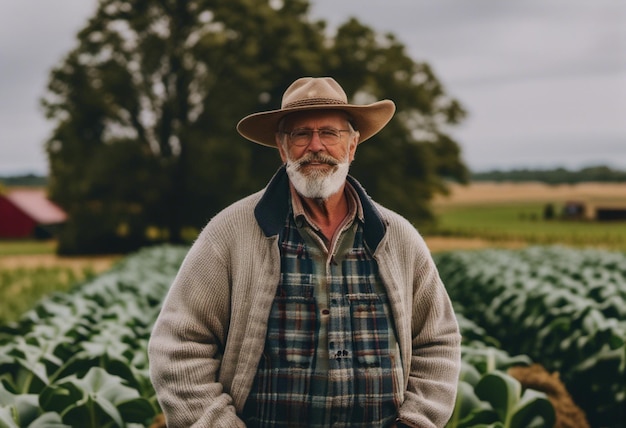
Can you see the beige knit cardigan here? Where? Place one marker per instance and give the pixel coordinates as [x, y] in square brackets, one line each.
[209, 336]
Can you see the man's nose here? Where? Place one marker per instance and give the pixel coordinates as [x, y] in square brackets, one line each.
[316, 143]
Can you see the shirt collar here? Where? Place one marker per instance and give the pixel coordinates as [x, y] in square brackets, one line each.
[355, 209]
[274, 205]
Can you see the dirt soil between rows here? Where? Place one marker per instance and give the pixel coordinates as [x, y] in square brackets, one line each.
[102, 263]
[29, 261]
[438, 244]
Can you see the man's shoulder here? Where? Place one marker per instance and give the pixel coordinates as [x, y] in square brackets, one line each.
[392, 217]
[246, 203]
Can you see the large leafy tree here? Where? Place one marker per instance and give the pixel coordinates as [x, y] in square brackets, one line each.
[146, 105]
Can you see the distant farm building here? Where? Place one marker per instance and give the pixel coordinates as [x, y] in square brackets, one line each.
[28, 214]
[577, 210]
[604, 213]
[574, 210]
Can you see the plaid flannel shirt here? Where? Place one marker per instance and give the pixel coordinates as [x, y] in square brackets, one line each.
[331, 356]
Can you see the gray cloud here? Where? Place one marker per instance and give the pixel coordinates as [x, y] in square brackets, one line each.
[34, 36]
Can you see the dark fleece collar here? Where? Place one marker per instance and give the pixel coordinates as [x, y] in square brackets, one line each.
[273, 208]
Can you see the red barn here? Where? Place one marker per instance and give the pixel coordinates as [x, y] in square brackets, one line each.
[28, 214]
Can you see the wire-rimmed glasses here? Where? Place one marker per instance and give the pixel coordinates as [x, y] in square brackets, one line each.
[302, 137]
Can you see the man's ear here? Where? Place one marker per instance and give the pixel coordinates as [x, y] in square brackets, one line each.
[354, 142]
[281, 148]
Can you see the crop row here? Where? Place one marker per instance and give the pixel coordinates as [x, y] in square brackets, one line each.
[79, 358]
[564, 308]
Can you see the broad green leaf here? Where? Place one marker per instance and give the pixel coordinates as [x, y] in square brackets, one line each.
[501, 391]
[27, 408]
[6, 396]
[59, 396]
[477, 417]
[469, 373]
[90, 414]
[49, 420]
[30, 376]
[489, 425]
[534, 410]
[488, 359]
[24, 408]
[6, 355]
[138, 410]
[469, 409]
[6, 417]
[78, 365]
[98, 381]
[107, 408]
[122, 369]
[99, 392]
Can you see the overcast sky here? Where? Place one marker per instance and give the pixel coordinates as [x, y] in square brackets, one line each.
[544, 81]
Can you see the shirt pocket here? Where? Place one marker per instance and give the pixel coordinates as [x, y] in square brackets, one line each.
[370, 330]
[292, 326]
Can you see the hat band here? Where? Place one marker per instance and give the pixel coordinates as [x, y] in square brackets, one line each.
[314, 102]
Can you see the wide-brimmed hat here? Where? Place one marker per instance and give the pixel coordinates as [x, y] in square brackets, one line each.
[316, 93]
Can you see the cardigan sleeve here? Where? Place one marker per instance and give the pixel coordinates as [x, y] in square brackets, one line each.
[427, 329]
[187, 343]
[435, 354]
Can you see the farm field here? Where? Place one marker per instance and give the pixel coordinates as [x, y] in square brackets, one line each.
[510, 214]
[555, 307]
[481, 192]
[29, 270]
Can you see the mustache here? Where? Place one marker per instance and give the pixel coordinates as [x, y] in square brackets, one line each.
[317, 158]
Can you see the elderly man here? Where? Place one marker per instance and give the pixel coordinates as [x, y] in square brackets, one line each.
[307, 304]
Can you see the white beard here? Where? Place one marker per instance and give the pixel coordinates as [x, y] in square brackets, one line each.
[318, 184]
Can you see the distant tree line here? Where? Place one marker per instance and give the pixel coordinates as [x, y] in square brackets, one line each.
[555, 176]
[25, 180]
[550, 176]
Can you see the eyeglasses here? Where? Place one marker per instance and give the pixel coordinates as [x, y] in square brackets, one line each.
[302, 137]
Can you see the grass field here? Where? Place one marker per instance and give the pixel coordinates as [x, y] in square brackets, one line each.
[26, 247]
[30, 270]
[34, 253]
[513, 213]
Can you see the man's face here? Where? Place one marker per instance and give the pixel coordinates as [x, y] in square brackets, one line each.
[317, 167]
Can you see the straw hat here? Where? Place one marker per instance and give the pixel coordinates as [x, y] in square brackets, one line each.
[316, 93]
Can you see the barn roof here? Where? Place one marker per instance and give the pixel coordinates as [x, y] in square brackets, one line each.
[37, 206]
